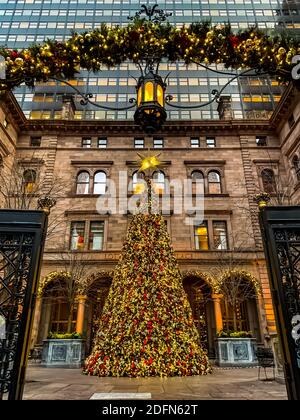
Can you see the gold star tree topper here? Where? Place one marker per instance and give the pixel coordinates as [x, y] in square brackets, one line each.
[148, 162]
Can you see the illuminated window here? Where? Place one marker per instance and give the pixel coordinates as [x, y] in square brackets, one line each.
[77, 235]
[96, 236]
[99, 183]
[138, 186]
[83, 183]
[159, 182]
[214, 183]
[220, 235]
[268, 180]
[201, 237]
[29, 180]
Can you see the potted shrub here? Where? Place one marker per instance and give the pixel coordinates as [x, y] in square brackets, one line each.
[63, 350]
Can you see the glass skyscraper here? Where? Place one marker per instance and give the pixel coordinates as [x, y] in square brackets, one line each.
[23, 22]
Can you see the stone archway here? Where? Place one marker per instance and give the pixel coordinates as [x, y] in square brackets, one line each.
[200, 295]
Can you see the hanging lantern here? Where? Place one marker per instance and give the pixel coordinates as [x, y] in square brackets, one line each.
[150, 113]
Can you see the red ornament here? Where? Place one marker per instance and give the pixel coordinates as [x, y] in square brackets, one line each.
[14, 54]
[234, 41]
[150, 361]
[145, 341]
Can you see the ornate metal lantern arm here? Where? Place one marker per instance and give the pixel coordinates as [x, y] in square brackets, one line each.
[215, 92]
[86, 98]
[152, 12]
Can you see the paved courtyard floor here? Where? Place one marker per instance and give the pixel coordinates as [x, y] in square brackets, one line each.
[71, 384]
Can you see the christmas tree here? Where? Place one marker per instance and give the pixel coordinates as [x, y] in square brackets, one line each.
[147, 328]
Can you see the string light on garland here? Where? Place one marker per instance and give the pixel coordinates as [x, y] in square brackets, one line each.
[141, 39]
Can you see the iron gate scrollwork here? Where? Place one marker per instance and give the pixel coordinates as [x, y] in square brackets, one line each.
[281, 233]
[22, 235]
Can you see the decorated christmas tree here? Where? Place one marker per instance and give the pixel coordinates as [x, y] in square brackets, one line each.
[147, 328]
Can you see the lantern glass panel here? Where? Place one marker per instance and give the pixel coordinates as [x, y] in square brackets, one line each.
[160, 95]
[139, 98]
[149, 92]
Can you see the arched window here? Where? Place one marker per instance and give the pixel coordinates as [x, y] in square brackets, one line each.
[214, 183]
[159, 182]
[29, 180]
[99, 183]
[83, 183]
[197, 176]
[296, 165]
[138, 187]
[197, 182]
[268, 180]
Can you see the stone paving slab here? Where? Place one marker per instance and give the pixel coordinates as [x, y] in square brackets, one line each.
[71, 384]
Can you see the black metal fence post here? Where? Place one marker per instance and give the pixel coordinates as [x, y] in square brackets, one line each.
[22, 238]
[280, 228]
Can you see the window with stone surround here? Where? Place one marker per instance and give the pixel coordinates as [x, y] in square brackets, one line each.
[261, 141]
[268, 181]
[86, 142]
[220, 235]
[102, 142]
[29, 180]
[96, 236]
[214, 183]
[77, 236]
[139, 143]
[201, 237]
[35, 141]
[159, 182]
[211, 234]
[99, 183]
[83, 183]
[195, 142]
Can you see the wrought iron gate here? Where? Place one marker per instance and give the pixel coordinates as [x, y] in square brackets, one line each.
[281, 233]
[22, 235]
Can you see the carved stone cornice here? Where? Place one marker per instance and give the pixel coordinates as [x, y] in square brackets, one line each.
[13, 111]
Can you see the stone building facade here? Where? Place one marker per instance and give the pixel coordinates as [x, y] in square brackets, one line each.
[235, 159]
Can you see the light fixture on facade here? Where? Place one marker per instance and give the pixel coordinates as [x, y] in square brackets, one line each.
[150, 113]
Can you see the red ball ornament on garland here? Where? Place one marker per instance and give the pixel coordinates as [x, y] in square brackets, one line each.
[14, 54]
[234, 41]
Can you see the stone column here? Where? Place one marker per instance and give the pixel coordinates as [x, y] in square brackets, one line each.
[224, 108]
[218, 312]
[69, 107]
[36, 322]
[80, 313]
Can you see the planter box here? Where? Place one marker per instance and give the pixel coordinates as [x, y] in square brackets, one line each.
[63, 353]
[236, 352]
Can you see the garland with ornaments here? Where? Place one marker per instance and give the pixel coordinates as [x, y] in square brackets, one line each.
[143, 40]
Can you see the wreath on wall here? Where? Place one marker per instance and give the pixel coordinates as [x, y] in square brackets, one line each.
[143, 40]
